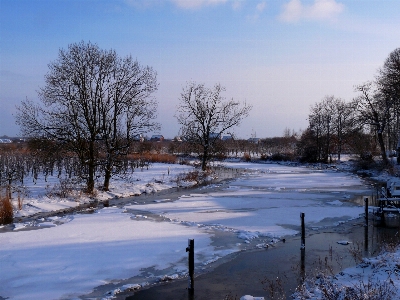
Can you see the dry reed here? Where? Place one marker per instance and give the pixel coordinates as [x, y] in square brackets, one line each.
[6, 210]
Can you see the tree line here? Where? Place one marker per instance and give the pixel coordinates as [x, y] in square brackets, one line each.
[367, 125]
[95, 103]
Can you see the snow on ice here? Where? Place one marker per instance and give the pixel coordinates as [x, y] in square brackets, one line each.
[71, 255]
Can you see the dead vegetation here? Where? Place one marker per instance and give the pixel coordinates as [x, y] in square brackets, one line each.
[6, 209]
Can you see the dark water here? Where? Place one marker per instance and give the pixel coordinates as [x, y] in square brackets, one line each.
[255, 272]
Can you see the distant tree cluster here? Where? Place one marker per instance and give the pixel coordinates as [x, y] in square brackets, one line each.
[366, 125]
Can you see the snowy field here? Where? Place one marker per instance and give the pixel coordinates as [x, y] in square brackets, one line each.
[70, 255]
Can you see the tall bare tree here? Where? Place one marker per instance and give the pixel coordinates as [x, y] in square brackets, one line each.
[388, 80]
[204, 114]
[93, 101]
[128, 110]
[374, 109]
[330, 122]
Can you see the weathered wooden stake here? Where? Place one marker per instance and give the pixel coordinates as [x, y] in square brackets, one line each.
[366, 240]
[303, 232]
[190, 249]
[366, 210]
[303, 264]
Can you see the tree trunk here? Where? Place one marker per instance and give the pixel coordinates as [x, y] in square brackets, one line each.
[107, 177]
[382, 146]
[8, 190]
[90, 181]
[91, 167]
[339, 149]
[205, 158]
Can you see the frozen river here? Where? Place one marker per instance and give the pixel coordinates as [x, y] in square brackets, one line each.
[123, 247]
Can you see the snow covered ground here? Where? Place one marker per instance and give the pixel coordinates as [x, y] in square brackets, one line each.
[70, 255]
[42, 192]
[374, 278]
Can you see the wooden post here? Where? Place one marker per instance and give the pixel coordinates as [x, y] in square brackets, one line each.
[190, 249]
[366, 210]
[303, 264]
[303, 232]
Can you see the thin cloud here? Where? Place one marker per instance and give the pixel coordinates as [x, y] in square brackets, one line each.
[194, 4]
[260, 7]
[237, 4]
[295, 10]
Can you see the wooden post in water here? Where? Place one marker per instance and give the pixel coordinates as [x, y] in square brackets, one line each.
[303, 232]
[190, 249]
[302, 264]
[366, 210]
[366, 240]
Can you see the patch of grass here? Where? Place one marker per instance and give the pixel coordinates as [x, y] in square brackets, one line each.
[275, 287]
[154, 157]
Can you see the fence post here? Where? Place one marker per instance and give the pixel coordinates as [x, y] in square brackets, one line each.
[303, 232]
[366, 210]
[190, 249]
[303, 264]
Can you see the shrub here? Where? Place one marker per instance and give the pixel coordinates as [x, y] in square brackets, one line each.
[246, 157]
[195, 176]
[6, 210]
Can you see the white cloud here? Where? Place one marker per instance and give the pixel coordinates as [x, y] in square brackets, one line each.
[294, 10]
[193, 4]
[260, 7]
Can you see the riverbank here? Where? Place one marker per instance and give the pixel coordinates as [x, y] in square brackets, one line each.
[219, 179]
[255, 272]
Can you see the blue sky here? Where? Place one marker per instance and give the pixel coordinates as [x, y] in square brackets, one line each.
[280, 56]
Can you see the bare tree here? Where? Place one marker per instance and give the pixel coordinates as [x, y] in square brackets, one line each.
[373, 109]
[12, 170]
[320, 123]
[204, 114]
[128, 110]
[93, 102]
[388, 81]
[330, 122]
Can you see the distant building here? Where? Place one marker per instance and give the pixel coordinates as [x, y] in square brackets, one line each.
[5, 141]
[227, 138]
[214, 135]
[157, 138]
[139, 138]
[254, 140]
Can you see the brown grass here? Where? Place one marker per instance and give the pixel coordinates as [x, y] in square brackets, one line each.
[246, 157]
[6, 210]
[154, 157]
